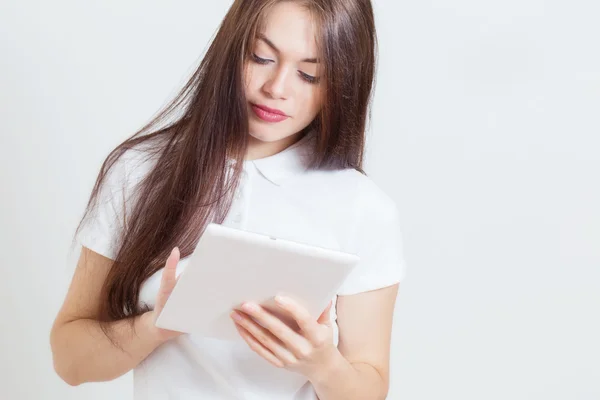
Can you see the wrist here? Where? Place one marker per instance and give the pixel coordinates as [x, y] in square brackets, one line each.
[148, 331]
[333, 365]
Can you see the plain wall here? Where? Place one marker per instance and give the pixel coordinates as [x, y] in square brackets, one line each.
[485, 131]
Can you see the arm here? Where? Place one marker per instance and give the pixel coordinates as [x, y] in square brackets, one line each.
[81, 351]
[356, 369]
[361, 369]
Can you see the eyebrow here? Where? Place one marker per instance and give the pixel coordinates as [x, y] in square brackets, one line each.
[271, 45]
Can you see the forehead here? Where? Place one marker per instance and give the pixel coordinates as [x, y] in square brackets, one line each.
[291, 28]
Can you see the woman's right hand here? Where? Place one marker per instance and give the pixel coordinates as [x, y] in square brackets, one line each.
[167, 283]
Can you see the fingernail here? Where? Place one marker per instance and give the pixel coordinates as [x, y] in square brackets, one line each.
[281, 300]
[236, 316]
[249, 307]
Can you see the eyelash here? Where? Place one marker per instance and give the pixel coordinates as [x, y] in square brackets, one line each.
[306, 77]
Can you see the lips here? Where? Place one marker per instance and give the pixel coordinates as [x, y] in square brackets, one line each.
[268, 114]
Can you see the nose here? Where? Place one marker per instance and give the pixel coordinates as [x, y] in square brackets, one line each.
[277, 86]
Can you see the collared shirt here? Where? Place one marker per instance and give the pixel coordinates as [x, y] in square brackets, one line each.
[277, 196]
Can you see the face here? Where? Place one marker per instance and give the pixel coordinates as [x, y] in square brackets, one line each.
[283, 86]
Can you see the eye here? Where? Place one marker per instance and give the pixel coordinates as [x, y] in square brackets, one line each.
[259, 60]
[309, 78]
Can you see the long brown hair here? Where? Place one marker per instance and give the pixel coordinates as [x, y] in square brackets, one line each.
[189, 186]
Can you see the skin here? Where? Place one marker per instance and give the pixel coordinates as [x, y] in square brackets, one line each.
[282, 83]
[358, 368]
[279, 78]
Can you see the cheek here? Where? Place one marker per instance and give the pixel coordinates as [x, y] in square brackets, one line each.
[251, 78]
[312, 102]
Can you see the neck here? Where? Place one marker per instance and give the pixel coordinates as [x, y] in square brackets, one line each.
[260, 149]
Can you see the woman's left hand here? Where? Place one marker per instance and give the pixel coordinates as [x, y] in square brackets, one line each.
[308, 352]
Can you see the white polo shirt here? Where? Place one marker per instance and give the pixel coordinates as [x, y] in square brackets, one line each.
[278, 196]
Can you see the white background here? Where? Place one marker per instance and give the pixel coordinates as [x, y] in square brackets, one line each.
[485, 132]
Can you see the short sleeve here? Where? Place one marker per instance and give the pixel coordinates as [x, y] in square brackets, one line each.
[102, 228]
[377, 240]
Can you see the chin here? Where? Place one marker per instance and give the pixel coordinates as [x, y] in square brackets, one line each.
[265, 136]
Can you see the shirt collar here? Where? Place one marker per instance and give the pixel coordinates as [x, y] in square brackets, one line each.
[288, 162]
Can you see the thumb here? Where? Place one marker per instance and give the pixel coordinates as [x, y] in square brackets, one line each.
[325, 318]
[168, 280]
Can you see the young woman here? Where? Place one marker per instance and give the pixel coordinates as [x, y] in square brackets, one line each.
[270, 139]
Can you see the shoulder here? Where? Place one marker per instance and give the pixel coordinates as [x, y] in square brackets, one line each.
[122, 173]
[126, 168]
[368, 193]
[109, 209]
[357, 208]
[366, 222]
[355, 189]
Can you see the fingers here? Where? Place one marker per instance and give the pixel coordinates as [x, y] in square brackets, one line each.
[272, 332]
[265, 337]
[305, 321]
[325, 317]
[257, 347]
[168, 279]
[169, 276]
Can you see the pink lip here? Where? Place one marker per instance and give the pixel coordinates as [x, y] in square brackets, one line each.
[268, 114]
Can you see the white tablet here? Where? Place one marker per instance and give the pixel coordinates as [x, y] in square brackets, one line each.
[231, 266]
